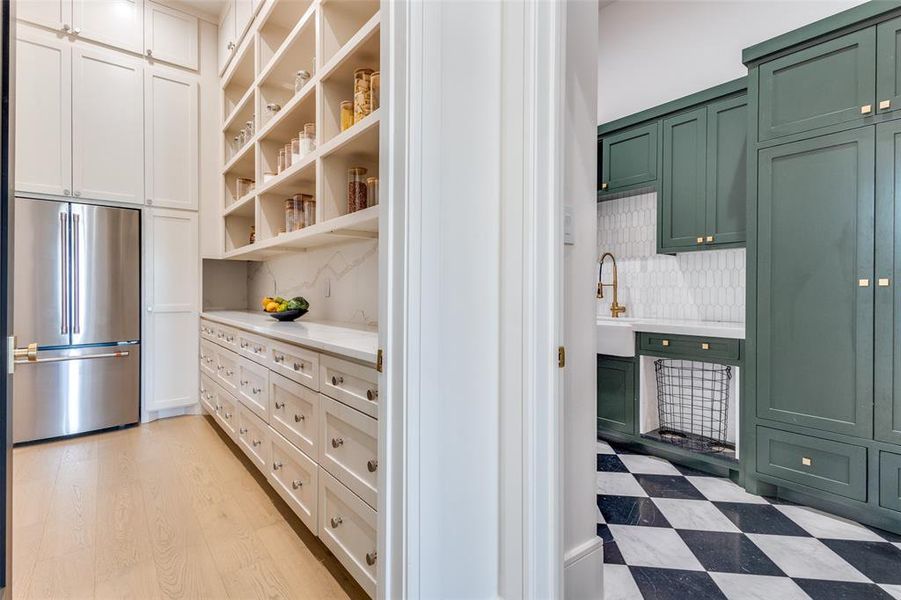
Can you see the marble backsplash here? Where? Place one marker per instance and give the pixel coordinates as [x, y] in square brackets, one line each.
[704, 286]
[340, 281]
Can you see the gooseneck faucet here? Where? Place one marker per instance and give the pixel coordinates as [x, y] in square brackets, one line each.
[615, 308]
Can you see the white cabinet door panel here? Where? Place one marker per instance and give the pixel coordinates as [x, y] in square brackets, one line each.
[170, 35]
[227, 38]
[55, 14]
[171, 138]
[43, 113]
[243, 16]
[108, 126]
[172, 326]
[118, 23]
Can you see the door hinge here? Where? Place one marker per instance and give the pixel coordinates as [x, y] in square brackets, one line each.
[379, 360]
[561, 357]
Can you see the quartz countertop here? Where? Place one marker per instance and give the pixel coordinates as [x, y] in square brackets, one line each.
[720, 329]
[353, 341]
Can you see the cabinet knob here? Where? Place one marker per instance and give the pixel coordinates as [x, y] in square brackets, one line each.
[298, 366]
[700, 239]
[884, 282]
[709, 238]
[372, 395]
[231, 45]
[228, 415]
[866, 109]
[242, 431]
[885, 104]
[705, 346]
[256, 390]
[299, 418]
[335, 521]
[149, 52]
[863, 282]
[256, 443]
[337, 380]
[66, 193]
[337, 442]
[371, 557]
[279, 358]
[65, 27]
[604, 186]
[665, 343]
[279, 405]
[372, 465]
[276, 466]
[77, 30]
[297, 484]
[806, 461]
[78, 194]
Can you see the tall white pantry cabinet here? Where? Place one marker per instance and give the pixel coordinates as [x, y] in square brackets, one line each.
[107, 111]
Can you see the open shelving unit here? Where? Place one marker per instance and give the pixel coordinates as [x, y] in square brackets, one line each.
[331, 39]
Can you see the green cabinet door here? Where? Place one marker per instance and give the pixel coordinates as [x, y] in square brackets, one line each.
[888, 66]
[888, 270]
[616, 393]
[890, 480]
[823, 85]
[815, 246]
[727, 171]
[629, 158]
[682, 205]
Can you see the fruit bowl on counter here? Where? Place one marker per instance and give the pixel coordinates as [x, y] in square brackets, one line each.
[285, 310]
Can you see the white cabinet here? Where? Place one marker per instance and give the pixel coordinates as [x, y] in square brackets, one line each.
[228, 41]
[107, 126]
[43, 113]
[170, 35]
[118, 23]
[55, 14]
[171, 163]
[171, 283]
[243, 16]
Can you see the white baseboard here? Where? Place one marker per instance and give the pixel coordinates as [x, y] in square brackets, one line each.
[153, 415]
[583, 571]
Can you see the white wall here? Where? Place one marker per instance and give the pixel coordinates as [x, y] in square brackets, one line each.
[653, 52]
[583, 555]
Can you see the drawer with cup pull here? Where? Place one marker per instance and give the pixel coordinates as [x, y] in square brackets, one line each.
[295, 476]
[254, 347]
[227, 370]
[347, 527]
[253, 438]
[208, 357]
[348, 447]
[354, 384]
[295, 363]
[208, 394]
[253, 387]
[294, 412]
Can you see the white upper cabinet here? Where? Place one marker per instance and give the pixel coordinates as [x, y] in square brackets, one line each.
[170, 35]
[55, 14]
[243, 16]
[43, 113]
[108, 126]
[171, 137]
[228, 41]
[118, 23]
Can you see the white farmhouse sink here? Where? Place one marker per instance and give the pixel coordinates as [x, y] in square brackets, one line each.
[616, 337]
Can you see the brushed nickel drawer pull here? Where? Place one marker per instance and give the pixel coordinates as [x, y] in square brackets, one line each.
[336, 521]
[244, 382]
[371, 557]
[242, 431]
[297, 484]
[298, 366]
[228, 415]
[279, 405]
[299, 418]
[337, 380]
[337, 442]
[372, 465]
[279, 358]
[276, 466]
[256, 390]
[372, 395]
[256, 442]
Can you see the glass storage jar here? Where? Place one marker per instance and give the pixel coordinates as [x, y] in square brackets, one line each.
[300, 220]
[301, 79]
[356, 189]
[281, 160]
[248, 126]
[290, 220]
[309, 210]
[307, 139]
[295, 150]
[375, 90]
[243, 186]
[362, 106]
[287, 155]
[347, 114]
[372, 191]
[271, 109]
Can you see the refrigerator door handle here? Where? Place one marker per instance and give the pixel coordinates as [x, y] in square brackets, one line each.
[117, 354]
[64, 271]
[76, 269]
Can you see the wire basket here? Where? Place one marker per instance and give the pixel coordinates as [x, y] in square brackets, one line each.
[693, 403]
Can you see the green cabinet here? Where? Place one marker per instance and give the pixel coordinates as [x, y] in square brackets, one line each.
[683, 197]
[616, 393]
[827, 84]
[709, 349]
[815, 250]
[629, 159]
[888, 66]
[890, 480]
[727, 171]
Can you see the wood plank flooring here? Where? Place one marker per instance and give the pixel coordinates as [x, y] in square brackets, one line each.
[171, 509]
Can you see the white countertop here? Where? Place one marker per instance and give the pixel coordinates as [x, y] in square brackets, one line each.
[357, 342]
[720, 329]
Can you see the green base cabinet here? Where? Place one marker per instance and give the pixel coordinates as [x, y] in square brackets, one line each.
[629, 159]
[890, 481]
[616, 393]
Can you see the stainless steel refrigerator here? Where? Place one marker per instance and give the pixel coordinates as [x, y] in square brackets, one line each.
[77, 295]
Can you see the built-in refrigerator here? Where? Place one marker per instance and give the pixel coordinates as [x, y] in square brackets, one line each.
[77, 291]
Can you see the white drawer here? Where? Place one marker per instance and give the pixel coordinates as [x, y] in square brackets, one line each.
[294, 413]
[208, 358]
[254, 347]
[253, 387]
[227, 370]
[295, 477]
[351, 383]
[295, 363]
[207, 330]
[225, 336]
[227, 412]
[348, 447]
[347, 526]
[253, 438]
[208, 394]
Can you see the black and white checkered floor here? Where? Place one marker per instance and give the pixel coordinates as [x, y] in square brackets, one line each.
[672, 532]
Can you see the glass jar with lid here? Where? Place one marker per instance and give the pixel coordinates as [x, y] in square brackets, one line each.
[356, 189]
[362, 94]
[248, 126]
[375, 90]
[290, 220]
[309, 210]
[347, 114]
[372, 191]
[295, 150]
[301, 79]
[308, 139]
[300, 220]
[272, 109]
[287, 155]
[281, 160]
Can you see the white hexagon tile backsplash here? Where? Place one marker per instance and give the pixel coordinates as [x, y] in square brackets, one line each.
[706, 286]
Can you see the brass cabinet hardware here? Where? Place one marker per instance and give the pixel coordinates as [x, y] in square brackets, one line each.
[298, 366]
[256, 443]
[279, 358]
[864, 283]
[866, 109]
[242, 431]
[561, 357]
[709, 239]
[806, 461]
[604, 186]
[379, 360]
[885, 104]
[705, 346]
[700, 239]
[665, 343]
[28, 353]
[884, 282]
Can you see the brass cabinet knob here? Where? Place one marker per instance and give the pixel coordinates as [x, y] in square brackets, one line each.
[705, 346]
[884, 282]
[700, 239]
[806, 461]
[665, 343]
[604, 186]
[709, 239]
[863, 282]
[866, 109]
[337, 380]
[885, 104]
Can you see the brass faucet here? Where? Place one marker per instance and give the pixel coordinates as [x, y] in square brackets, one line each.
[616, 309]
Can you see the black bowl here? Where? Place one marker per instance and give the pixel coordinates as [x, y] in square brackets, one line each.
[288, 315]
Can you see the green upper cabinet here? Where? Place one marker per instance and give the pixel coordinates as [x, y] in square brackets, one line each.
[828, 84]
[683, 195]
[727, 171]
[888, 66]
[888, 271]
[629, 159]
[616, 393]
[814, 282]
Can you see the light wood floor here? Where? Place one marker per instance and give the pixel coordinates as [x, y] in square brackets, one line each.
[165, 510]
